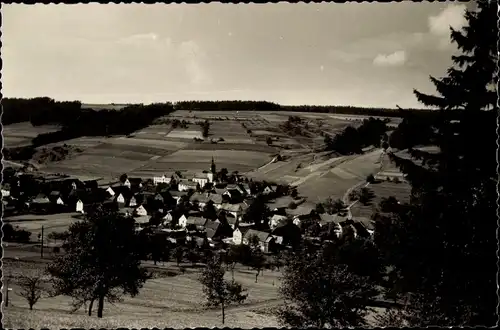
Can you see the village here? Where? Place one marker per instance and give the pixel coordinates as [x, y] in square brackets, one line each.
[214, 208]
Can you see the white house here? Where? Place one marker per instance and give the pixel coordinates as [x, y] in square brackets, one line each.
[141, 211]
[120, 199]
[210, 177]
[5, 191]
[59, 201]
[186, 185]
[79, 206]
[161, 179]
[133, 202]
[201, 179]
[182, 221]
[110, 191]
[167, 218]
[127, 183]
[237, 236]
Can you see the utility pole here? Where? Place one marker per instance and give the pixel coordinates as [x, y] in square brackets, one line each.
[41, 250]
[7, 289]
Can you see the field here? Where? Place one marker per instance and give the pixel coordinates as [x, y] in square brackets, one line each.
[175, 302]
[33, 222]
[401, 191]
[21, 134]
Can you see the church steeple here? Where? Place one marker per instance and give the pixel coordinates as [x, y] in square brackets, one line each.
[212, 166]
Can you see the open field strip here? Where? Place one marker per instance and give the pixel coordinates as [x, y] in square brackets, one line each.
[15, 141]
[83, 142]
[34, 222]
[249, 147]
[25, 129]
[185, 134]
[160, 143]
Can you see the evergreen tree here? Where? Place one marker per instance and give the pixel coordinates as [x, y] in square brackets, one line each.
[444, 245]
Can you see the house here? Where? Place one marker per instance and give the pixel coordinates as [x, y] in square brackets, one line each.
[142, 219]
[55, 197]
[79, 206]
[185, 185]
[110, 191]
[161, 179]
[40, 199]
[213, 229]
[262, 238]
[6, 190]
[132, 202]
[276, 220]
[197, 223]
[238, 234]
[126, 211]
[364, 226]
[127, 183]
[201, 179]
[140, 211]
[333, 221]
[300, 219]
[167, 218]
[236, 210]
[204, 198]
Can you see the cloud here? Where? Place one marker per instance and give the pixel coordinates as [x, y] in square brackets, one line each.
[194, 58]
[452, 15]
[138, 39]
[397, 58]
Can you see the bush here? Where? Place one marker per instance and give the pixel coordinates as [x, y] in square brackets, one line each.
[292, 205]
[370, 178]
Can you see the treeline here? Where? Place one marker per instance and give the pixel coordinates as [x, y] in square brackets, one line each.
[352, 140]
[270, 106]
[76, 122]
[38, 111]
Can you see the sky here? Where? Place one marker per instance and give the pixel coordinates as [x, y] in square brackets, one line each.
[359, 54]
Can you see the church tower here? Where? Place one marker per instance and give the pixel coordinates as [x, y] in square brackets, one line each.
[212, 166]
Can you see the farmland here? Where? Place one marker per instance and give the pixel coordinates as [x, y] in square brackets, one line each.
[21, 134]
[33, 223]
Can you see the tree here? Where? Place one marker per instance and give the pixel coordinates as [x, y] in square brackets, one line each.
[334, 206]
[31, 288]
[218, 291]
[205, 127]
[209, 211]
[321, 293]
[102, 261]
[257, 212]
[179, 254]
[370, 178]
[294, 193]
[365, 196]
[257, 258]
[449, 231]
[269, 140]
[223, 174]
[320, 209]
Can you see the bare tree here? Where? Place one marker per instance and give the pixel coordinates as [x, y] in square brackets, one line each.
[31, 288]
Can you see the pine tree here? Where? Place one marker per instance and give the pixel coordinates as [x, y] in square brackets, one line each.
[444, 245]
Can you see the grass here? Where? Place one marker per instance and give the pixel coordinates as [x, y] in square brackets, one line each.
[175, 302]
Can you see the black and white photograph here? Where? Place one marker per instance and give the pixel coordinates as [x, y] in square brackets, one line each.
[249, 165]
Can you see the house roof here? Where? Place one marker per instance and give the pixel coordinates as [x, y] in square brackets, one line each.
[231, 207]
[261, 235]
[280, 202]
[278, 218]
[300, 210]
[142, 219]
[41, 198]
[197, 221]
[188, 183]
[204, 198]
[366, 223]
[212, 224]
[200, 176]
